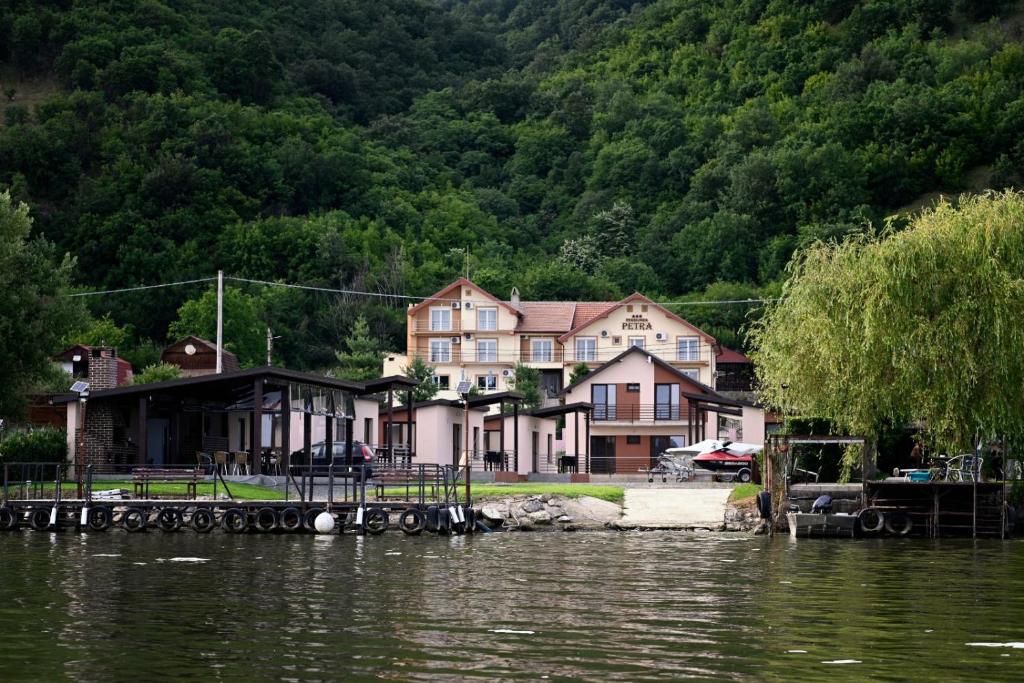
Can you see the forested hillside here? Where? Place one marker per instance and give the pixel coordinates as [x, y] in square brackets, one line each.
[575, 149]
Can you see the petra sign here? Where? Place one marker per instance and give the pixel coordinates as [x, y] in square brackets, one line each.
[637, 322]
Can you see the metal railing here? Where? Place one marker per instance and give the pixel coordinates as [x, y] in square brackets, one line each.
[436, 327]
[638, 413]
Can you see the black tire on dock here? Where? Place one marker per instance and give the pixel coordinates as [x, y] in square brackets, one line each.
[898, 523]
[235, 520]
[871, 520]
[134, 519]
[203, 520]
[99, 518]
[432, 518]
[9, 518]
[412, 522]
[470, 516]
[290, 519]
[39, 519]
[309, 519]
[764, 504]
[375, 521]
[265, 519]
[169, 519]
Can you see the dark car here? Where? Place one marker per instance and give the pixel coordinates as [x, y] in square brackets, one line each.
[362, 455]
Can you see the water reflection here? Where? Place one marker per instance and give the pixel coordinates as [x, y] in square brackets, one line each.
[566, 606]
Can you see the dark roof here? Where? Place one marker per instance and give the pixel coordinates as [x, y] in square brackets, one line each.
[382, 384]
[227, 378]
[491, 399]
[727, 355]
[205, 354]
[555, 411]
[654, 359]
[445, 402]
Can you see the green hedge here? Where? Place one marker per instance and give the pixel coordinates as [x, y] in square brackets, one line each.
[41, 445]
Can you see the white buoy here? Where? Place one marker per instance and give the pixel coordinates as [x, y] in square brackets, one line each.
[85, 515]
[324, 523]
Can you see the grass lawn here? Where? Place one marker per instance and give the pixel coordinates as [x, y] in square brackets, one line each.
[612, 494]
[239, 491]
[744, 491]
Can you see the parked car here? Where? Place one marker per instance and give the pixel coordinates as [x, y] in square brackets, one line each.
[361, 455]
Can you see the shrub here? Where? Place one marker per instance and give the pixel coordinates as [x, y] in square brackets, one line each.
[41, 445]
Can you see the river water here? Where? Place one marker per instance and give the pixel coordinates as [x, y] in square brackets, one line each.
[543, 606]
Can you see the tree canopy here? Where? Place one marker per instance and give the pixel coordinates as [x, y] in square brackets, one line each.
[922, 324]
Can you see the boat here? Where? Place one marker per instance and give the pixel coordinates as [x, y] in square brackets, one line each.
[726, 463]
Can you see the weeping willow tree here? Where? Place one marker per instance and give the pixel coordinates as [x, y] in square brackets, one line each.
[920, 325]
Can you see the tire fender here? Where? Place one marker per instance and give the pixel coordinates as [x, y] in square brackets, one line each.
[9, 518]
[375, 521]
[871, 520]
[169, 519]
[309, 519]
[290, 519]
[134, 519]
[99, 518]
[265, 519]
[203, 520]
[235, 520]
[412, 522]
[898, 523]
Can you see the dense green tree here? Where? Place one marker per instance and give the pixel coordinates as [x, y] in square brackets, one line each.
[526, 381]
[158, 372]
[34, 308]
[362, 356]
[244, 331]
[422, 372]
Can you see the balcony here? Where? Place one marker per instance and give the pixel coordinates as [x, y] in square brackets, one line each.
[647, 413]
[437, 328]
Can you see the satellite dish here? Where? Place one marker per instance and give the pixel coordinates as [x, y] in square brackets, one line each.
[190, 350]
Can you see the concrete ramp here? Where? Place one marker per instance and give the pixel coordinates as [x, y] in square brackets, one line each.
[650, 508]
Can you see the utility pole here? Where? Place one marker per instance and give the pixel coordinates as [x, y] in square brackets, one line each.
[220, 321]
[270, 346]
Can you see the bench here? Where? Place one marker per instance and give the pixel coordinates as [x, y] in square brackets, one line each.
[144, 476]
[409, 479]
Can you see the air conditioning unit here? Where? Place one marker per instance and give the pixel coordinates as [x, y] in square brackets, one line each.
[604, 333]
[661, 336]
[456, 305]
[469, 305]
[456, 340]
[469, 335]
[524, 337]
[507, 373]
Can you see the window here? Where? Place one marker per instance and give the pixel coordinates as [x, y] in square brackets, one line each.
[692, 374]
[442, 381]
[666, 401]
[633, 439]
[687, 348]
[633, 388]
[637, 341]
[440, 319]
[487, 350]
[440, 351]
[487, 382]
[542, 350]
[603, 398]
[368, 436]
[487, 318]
[586, 348]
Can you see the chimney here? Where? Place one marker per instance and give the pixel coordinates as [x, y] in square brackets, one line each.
[514, 297]
[102, 368]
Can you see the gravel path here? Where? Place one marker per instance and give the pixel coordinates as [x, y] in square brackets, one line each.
[674, 508]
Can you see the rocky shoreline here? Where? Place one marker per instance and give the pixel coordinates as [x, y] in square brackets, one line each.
[585, 513]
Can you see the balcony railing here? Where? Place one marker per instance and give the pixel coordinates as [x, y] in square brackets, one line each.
[659, 412]
[555, 356]
[437, 327]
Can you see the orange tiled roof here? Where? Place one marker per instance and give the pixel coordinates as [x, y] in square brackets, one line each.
[588, 310]
[546, 316]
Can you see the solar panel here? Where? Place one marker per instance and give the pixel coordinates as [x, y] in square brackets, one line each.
[464, 386]
[80, 387]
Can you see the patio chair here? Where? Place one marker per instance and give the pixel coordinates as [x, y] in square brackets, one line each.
[205, 462]
[964, 467]
[241, 464]
[220, 460]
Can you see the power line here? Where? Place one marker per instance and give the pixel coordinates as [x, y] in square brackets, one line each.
[380, 295]
[140, 288]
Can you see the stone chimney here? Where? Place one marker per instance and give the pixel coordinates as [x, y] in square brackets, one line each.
[102, 368]
[514, 297]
